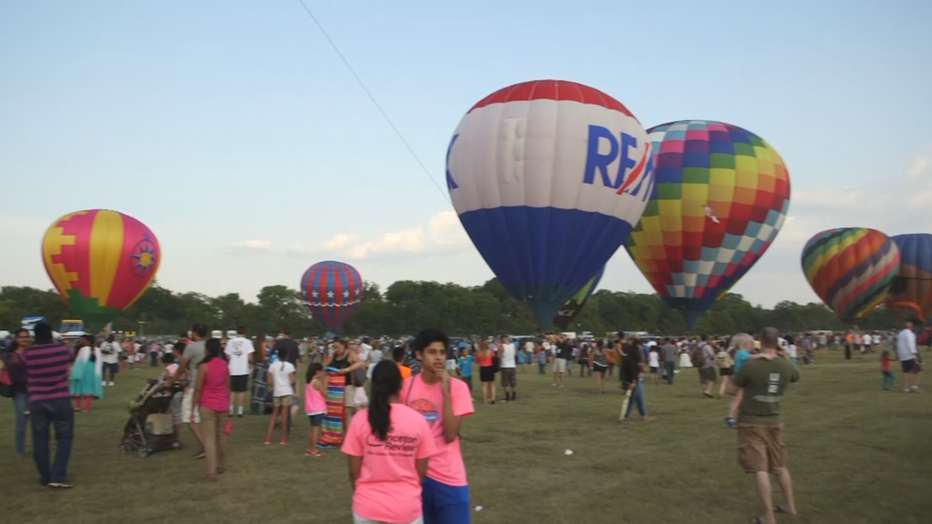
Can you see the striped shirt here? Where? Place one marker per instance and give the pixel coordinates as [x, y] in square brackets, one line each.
[48, 367]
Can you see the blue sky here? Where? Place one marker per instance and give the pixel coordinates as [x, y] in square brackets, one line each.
[235, 132]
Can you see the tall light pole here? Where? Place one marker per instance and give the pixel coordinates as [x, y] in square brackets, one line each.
[142, 325]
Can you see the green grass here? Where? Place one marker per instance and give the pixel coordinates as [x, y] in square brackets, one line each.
[857, 454]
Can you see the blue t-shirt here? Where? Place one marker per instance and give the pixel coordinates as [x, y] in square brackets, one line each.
[741, 357]
[466, 366]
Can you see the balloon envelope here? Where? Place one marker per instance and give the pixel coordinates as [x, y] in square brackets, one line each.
[548, 178]
[721, 197]
[332, 290]
[913, 285]
[851, 269]
[574, 305]
[100, 261]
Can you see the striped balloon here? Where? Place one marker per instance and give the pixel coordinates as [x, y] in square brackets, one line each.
[332, 290]
[100, 262]
[851, 269]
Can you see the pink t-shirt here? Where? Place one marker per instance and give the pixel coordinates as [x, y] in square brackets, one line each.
[216, 394]
[388, 488]
[447, 465]
[314, 401]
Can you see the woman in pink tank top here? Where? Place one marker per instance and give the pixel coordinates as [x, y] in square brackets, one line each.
[212, 395]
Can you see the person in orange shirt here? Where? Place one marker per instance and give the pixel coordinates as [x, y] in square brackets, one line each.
[610, 357]
[398, 355]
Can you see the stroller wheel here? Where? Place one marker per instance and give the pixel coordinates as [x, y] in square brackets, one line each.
[143, 452]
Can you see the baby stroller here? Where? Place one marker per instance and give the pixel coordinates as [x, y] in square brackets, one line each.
[151, 425]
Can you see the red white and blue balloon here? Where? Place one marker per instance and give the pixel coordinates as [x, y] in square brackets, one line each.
[332, 290]
[548, 178]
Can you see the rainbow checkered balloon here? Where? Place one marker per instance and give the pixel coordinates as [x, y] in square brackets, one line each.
[721, 197]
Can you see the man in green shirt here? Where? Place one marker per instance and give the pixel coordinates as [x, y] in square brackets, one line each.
[760, 423]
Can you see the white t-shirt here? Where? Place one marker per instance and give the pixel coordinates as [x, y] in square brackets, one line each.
[529, 346]
[114, 356]
[281, 377]
[508, 356]
[906, 345]
[791, 351]
[654, 359]
[866, 340]
[375, 357]
[238, 350]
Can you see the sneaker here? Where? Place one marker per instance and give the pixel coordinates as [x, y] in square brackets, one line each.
[916, 389]
[282, 442]
[60, 485]
[906, 390]
[731, 422]
[111, 383]
[267, 442]
[104, 383]
[199, 455]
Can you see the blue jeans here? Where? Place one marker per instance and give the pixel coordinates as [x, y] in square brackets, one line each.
[19, 405]
[542, 366]
[638, 397]
[444, 504]
[670, 367]
[46, 414]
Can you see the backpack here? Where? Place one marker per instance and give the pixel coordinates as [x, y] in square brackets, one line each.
[696, 357]
[724, 360]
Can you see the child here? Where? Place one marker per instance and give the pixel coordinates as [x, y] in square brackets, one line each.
[388, 446]
[281, 380]
[171, 367]
[654, 363]
[315, 405]
[398, 355]
[887, 372]
[86, 376]
[465, 368]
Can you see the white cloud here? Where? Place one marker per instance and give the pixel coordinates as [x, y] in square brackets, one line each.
[249, 246]
[921, 163]
[443, 234]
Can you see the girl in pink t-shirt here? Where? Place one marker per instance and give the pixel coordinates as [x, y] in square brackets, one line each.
[315, 405]
[388, 445]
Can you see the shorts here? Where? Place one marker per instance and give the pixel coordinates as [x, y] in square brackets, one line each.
[445, 504]
[450, 365]
[283, 401]
[908, 365]
[316, 419]
[360, 398]
[761, 448]
[509, 378]
[706, 375]
[654, 370]
[599, 368]
[113, 368]
[726, 372]
[175, 407]
[348, 394]
[487, 374]
[363, 520]
[239, 383]
[186, 405]
[559, 365]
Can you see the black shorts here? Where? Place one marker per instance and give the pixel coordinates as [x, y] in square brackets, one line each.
[908, 365]
[239, 383]
[706, 375]
[316, 420]
[725, 372]
[487, 374]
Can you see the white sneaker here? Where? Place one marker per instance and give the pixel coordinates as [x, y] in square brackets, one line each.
[111, 383]
[104, 383]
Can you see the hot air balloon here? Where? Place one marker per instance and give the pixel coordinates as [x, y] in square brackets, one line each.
[548, 178]
[721, 197]
[574, 305]
[851, 269]
[912, 287]
[332, 290]
[100, 261]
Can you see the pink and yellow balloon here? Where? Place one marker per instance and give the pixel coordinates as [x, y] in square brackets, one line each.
[100, 261]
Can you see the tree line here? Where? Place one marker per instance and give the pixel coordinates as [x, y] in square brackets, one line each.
[407, 306]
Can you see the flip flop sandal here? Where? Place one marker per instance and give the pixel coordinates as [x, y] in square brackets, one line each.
[780, 509]
[731, 422]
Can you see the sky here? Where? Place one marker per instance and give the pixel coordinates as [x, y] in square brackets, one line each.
[236, 133]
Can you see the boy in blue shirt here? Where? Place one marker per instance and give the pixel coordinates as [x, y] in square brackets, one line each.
[464, 370]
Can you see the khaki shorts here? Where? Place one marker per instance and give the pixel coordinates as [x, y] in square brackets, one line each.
[349, 395]
[283, 401]
[186, 405]
[509, 378]
[761, 448]
[559, 365]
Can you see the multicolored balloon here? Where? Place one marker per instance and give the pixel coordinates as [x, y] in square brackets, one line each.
[332, 290]
[100, 261]
[851, 269]
[548, 178]
[721, 197]
[574, 305]
[912, 288]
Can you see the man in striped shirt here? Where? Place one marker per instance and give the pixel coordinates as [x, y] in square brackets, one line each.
[47, 365]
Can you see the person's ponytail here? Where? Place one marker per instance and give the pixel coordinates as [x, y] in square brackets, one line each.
[386, 383]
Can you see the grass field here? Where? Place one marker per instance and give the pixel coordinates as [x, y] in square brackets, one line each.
[857, 454]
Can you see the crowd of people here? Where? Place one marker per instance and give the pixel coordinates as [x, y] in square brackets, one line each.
[395, 407]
